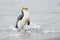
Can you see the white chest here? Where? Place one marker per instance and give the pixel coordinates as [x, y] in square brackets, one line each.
[24, 20]
[26, 16]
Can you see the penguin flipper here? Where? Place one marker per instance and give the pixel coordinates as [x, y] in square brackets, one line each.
[28, 22]
[20, 16]
[16, 26]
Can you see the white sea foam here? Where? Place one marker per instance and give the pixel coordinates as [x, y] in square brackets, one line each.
[12, 27]
[31, 26]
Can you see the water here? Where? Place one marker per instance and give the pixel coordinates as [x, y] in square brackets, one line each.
[44, 18]
[37, 33]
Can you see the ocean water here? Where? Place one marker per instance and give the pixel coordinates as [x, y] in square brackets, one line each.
[44, 18]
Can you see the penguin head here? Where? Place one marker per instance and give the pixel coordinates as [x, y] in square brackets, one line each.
[24, 8]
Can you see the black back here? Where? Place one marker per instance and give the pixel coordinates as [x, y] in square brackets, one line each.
[19, 18]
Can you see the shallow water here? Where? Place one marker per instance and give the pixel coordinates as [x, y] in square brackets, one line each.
[45, 20]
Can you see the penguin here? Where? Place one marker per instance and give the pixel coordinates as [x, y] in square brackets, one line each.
[23, 19]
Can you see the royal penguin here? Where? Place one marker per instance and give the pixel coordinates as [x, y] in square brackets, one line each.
[23, 19]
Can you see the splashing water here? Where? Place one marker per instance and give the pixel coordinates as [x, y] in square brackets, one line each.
[12, 31]
[32, 27]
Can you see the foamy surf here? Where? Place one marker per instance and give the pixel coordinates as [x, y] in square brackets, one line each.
[12, 27]
[32, 27]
